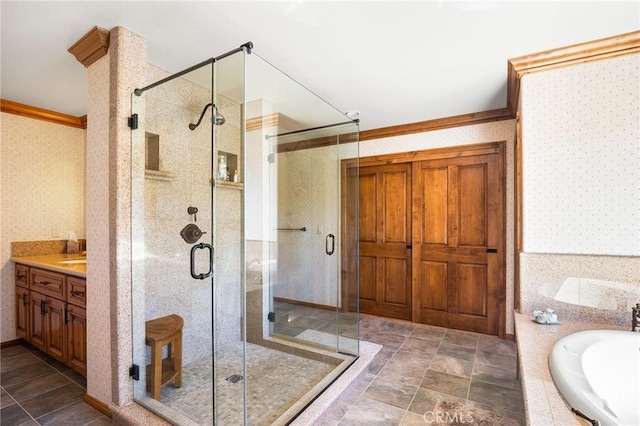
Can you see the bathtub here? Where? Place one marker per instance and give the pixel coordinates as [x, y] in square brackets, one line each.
[598, 373]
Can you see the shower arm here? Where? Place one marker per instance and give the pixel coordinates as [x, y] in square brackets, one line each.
[193, 126]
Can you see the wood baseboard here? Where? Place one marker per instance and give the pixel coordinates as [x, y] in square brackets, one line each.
[302, 303]
[511, 337]
[10, 343]
[97, 404]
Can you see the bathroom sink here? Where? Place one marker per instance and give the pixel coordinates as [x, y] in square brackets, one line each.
[73, 261]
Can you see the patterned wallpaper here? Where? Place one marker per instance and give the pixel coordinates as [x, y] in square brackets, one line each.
[581, 156]
[42, 192]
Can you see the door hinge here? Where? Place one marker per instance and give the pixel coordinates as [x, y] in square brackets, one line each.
[271, 158]
[271, 317]
[134, 372]
[133, 121]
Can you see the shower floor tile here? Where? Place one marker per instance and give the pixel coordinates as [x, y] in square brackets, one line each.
[276, 380]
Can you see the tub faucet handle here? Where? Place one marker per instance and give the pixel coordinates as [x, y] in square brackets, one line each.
[635, 318]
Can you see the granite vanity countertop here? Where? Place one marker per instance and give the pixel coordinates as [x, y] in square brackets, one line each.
[51, 262]
[543, 403]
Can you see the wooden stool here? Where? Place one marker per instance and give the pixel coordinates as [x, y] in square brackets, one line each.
[160, 332]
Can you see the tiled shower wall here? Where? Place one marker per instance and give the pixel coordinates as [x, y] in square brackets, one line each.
[185, 157]
[581, 190]
[42, 192]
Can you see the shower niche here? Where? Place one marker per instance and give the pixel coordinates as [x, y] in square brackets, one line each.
[260, 299]
[227, 170]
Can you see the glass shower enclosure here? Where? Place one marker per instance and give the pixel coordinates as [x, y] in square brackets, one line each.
[244, 243]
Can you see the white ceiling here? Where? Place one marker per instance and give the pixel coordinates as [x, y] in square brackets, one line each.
[395, 62]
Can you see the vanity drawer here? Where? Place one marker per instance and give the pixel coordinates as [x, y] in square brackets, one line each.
[49, 283]
[77, 291]
[22, 275]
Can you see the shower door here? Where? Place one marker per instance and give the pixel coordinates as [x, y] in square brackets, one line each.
[187, 244]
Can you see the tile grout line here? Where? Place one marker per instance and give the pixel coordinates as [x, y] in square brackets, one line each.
[473, 366]
[423, 374]
[56, 410]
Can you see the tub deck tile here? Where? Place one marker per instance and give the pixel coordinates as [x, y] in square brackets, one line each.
[543, 403]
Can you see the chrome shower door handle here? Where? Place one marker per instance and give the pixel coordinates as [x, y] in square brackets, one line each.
[193, 261]
[331, 250]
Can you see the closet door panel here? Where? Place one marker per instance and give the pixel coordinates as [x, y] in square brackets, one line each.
[433, 292]
[385, 240]
[434, 209]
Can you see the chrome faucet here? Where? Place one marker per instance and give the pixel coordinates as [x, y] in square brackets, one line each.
[635, 318]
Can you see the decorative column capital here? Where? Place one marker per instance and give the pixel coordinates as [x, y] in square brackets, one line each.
[91, 47]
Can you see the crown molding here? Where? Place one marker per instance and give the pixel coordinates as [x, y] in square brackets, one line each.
[604, 48]
[91, 46]
[609, 47]
[437, 124]
[36, 113]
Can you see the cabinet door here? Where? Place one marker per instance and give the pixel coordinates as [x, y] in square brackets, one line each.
[56, 330]
[77, 338]
[22, 312]
[37, 320]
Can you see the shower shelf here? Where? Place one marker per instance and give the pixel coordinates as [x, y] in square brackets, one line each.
[159, 175]
[225, 184]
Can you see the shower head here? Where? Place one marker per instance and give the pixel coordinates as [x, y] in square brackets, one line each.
[217, 118]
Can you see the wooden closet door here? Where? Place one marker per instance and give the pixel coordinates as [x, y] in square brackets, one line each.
[385, 240]
[459, 217]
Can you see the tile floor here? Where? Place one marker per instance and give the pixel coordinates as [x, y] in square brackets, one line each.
[423, 375]
[35, 389]
[427, 375]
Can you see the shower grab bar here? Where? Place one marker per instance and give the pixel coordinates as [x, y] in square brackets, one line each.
[303, 229]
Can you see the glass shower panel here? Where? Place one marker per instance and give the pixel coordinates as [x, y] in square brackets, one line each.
[293, 237]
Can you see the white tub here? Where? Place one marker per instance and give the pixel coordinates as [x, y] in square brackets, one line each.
[598, 373]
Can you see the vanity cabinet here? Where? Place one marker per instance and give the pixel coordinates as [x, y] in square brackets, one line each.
[51, 314]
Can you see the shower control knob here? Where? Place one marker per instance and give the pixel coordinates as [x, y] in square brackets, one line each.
[191, 233]
[193, 210]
